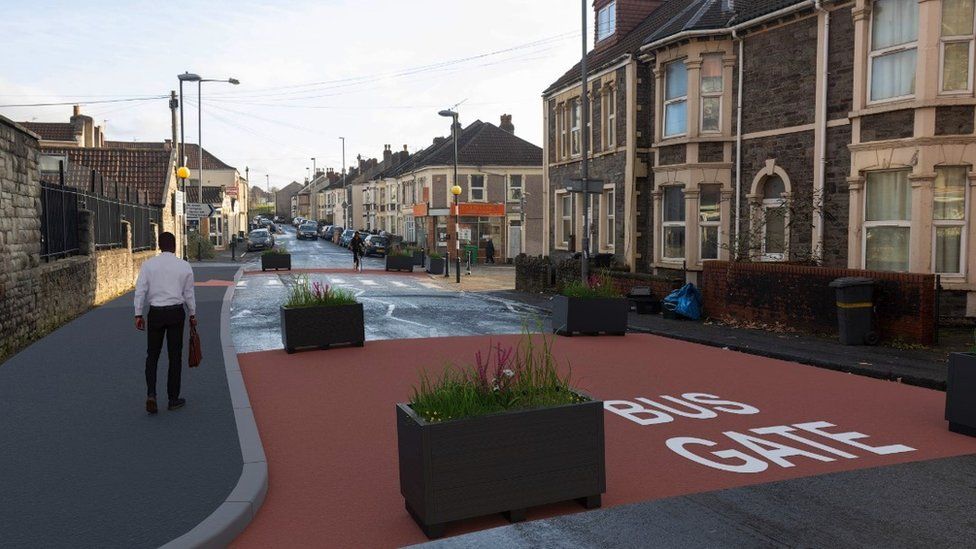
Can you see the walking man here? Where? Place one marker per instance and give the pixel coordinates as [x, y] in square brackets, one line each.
[166, 283]
[356, 245]
[489, 251]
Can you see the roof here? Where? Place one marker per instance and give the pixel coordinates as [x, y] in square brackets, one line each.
[480, 144]
[211, 195]
[145, 170]
[210, 162]
[51, 131]
[669, 19]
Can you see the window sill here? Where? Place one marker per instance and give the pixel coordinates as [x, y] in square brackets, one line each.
[944, 99]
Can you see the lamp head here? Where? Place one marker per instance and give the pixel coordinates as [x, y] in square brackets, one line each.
[183, 172]
[234, 81]
[456, 190]
[448, 113]
[189, 77]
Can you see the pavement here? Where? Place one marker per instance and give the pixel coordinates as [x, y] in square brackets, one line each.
[83, 464]
[922, 367]
[704, 447]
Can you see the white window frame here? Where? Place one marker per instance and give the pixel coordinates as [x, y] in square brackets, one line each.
[703, 224]
[511, 187]
[483, 188]
[667, 102]
[872, 54]
[561, 232]
[886, 223]
[946, 40]
[963, 223]
[666, 224]
[562, 135]
[610, 108]
[711, 95]
[606, 21]
[609, 221]
[575, 123]
[773, 204]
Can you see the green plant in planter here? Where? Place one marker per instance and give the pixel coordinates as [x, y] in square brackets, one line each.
[400, 252]
[317, 294]
[435, 255]
[273, 251]
[521, 377]
[199, 245]
[599, 287]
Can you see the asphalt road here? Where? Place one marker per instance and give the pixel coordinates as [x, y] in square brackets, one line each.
[83, 465]
[397, 306]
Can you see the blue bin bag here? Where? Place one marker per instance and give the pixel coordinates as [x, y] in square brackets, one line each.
[685, 301]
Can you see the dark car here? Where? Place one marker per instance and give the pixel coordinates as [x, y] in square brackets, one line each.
[308, 230]
[260, 239]
[325, 231]
[346, 237]
[375, 245]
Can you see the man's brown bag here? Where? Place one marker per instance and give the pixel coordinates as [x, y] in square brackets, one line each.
[196, 353]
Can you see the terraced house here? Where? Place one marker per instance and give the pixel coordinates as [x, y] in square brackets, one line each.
[831, 132]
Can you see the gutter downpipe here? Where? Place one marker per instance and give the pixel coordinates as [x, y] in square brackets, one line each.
[738, 144]
[820, 181]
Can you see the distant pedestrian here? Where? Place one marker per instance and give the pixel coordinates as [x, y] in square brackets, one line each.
[489, 251]
[356, 245]
[166, 283]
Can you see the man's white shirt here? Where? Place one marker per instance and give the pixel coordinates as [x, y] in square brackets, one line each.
[165, 280]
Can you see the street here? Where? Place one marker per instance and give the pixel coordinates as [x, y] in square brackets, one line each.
[396, 305]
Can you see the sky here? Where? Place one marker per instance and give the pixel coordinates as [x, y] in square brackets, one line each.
[373, 71]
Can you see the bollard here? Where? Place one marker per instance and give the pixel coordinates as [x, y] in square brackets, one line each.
[199, 251]
[447, 265]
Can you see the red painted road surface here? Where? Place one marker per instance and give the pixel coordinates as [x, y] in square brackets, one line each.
[328, 425]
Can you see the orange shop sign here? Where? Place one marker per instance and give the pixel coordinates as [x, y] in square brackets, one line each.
[479, 209]
[420, 210]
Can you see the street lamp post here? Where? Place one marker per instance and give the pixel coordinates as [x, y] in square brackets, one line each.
[347, 203]
[456, 191]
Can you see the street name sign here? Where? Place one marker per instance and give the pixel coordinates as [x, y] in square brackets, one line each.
[592, 186]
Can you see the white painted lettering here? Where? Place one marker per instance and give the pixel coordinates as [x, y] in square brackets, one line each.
[816, 427]
[773, 451]
[747, 463]
[635, 412]
[788, 432]
[697, 412]
[717, 403]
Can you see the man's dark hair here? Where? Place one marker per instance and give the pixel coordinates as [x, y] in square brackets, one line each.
[167, 242]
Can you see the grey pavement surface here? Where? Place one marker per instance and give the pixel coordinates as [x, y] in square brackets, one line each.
[916, 367]
[83, 465]
[397, 306]
[922, 504]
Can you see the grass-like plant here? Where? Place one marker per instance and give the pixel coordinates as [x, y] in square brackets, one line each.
[520, 377]
[600, 286]
[277, 250]
[435, 255]
[400, 252]
[317, 294]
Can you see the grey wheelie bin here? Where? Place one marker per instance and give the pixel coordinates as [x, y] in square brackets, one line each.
[855, 310]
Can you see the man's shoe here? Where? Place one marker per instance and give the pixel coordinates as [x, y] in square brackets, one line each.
[177, 404]
[151, 406]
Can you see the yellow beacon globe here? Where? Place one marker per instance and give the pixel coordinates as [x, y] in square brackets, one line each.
[456, 190]
[183, 172]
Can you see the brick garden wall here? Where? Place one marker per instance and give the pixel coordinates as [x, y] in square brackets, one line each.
[799, 298]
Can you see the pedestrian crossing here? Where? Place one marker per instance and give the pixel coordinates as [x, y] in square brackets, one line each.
[364, 283]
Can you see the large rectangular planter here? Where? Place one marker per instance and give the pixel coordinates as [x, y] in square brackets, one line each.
[435, 265]
[322, 327]
[399, 263]
[500, 463]
[418, 258]
[961, 393]
[571, 315]
[275, 261]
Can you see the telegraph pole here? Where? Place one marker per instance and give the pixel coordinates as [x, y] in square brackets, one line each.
[584, 164]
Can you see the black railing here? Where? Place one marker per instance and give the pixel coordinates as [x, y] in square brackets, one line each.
[61, 205]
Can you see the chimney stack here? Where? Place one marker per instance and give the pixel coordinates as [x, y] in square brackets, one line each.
[387, 154]
[506, 124]
[76, 111]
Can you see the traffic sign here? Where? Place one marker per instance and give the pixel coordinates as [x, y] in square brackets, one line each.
[592, 186]
[196, 210]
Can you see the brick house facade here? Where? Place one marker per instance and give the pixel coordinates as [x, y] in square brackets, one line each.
[832, 133]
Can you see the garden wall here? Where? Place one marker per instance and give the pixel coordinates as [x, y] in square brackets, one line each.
[540, 275]
[799, 298]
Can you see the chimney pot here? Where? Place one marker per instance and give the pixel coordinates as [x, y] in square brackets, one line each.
[77, 110]
[506, 123]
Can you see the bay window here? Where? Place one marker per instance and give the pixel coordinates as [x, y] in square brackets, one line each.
[562, 132]
[709, 217]
[610, 216]
[894, 35]
[949, 219]
[887, 220]
[566, 218]
[673, 223]
[606, 21]
[675, 99]
[477, 188]
[610, 125]
[711, 93]
[574, 125]
[957, 45]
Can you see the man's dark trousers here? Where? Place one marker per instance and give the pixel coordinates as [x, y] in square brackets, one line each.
[165, 322]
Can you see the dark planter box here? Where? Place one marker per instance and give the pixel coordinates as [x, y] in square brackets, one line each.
[500, 463]
[275, 261]
[435, 265]
[572, 315]
[961, 393]
[322, 327]
[399, 263]
[418, 258]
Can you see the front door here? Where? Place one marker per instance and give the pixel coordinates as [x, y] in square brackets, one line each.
[514, 238]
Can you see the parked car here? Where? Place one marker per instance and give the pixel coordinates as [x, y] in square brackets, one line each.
[375, 245]
[346, 237]
[265, 222]
[260, 239]
[325, 231]
[297, 222]
[308, 230]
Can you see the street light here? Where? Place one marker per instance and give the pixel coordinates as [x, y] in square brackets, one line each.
[455, 190]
